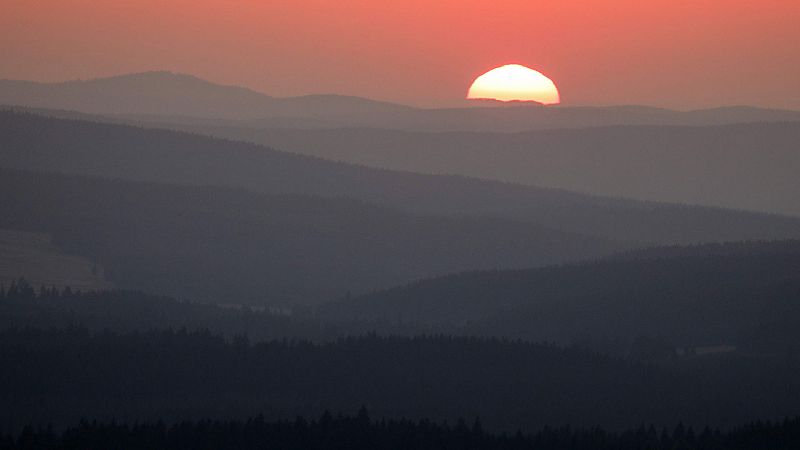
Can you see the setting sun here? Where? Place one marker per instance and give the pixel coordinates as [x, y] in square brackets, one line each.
[514, 82]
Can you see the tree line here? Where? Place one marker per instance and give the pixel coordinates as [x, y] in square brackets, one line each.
[333, 432]
[25, 306]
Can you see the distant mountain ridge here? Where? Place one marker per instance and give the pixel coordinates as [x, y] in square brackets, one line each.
[167, 93]
[180, 95]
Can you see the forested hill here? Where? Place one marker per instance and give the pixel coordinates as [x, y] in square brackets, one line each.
[48, 307]
[62, 376]
[741, 294]
[227, 245]
[117, 151]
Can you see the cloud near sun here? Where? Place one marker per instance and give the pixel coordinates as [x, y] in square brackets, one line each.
[514, 82]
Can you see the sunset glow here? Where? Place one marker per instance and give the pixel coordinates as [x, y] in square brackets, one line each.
[514, 82]
[598, 52]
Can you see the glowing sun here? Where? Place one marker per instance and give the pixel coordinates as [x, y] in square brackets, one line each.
[514, 82]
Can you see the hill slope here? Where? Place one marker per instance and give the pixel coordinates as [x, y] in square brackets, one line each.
[34, 257]
[744, 295]
[747, 166]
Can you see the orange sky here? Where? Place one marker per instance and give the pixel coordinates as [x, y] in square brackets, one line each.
[674, 53]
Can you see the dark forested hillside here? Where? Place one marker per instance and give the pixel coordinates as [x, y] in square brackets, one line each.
[744, 295]
[80, 147]
[229, 245]
[45, 307]
[360, 432]
[62, 376]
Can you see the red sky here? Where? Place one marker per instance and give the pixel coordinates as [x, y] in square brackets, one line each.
[675, 53]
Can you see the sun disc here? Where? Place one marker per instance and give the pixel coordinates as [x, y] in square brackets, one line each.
[514, 82]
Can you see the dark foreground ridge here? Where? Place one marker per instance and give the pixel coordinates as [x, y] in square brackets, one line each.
[62, 376]
[360, 432]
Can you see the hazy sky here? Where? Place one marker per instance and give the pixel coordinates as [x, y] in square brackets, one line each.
[675, 53]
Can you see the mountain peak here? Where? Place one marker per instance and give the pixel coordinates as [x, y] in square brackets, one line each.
[154, 76]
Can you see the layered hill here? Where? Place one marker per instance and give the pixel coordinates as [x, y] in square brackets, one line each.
[747, 166]
[233, 246]
[81, 147]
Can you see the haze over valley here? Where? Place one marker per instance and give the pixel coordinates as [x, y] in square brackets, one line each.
[243, 225]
